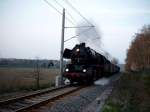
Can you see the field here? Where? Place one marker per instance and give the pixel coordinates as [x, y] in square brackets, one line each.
[16, 79]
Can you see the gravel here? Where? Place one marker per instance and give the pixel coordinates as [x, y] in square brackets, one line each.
[78, 101]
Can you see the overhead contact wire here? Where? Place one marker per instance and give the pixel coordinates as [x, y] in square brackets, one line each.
[78, 12]
[57, 10]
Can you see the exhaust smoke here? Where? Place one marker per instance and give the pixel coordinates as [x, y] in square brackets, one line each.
[89, 35]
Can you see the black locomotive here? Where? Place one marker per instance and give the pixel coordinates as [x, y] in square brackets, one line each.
[87, 65]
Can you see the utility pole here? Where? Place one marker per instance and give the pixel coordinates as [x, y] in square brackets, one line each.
[62, 46]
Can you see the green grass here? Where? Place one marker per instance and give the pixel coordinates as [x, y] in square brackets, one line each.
[112, 107]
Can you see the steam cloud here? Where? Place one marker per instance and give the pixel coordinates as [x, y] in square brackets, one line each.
[89, 35]
[92, 37]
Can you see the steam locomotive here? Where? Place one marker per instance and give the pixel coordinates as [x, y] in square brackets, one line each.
[87, 65]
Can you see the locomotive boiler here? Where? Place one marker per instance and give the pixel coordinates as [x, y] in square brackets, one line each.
[86, 65]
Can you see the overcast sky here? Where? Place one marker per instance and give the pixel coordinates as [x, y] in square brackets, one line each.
[31, 28]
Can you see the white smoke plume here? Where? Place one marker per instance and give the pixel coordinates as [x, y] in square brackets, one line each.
[90, 35]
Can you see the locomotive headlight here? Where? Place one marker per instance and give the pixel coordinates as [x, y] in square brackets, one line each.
[67, 70]
[84, 70]
[77, 50]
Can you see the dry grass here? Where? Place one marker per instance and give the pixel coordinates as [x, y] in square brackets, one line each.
[131, 94]
[14, 79]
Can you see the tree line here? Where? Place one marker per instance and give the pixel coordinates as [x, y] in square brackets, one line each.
[28, 63]
[138, 54]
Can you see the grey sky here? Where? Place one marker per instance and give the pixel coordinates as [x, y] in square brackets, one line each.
[30, 28]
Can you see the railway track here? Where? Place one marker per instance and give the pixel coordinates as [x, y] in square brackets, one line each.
[37, 99]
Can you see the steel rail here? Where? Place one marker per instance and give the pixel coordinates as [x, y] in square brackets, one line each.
[38, 98]
[47, 100]
[36, 93]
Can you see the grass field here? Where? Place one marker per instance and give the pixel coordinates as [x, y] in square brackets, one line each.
[131, 94]
[16, 79]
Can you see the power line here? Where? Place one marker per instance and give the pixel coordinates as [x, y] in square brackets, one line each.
[57, 10]
[70, 38]
[52, 6]
[77, 12]
[78, 26]
[78, 34]
[65, 10]
[70, 16]
[68, 13]
[81, 16]
[68, 20]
